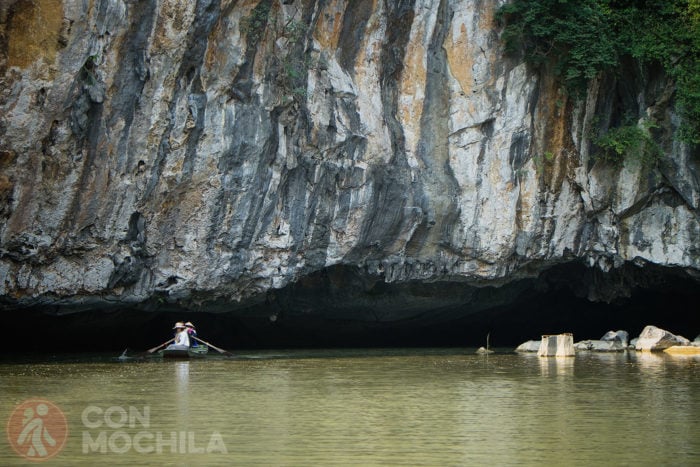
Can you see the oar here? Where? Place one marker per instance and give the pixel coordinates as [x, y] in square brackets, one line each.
[221, 351]
[159, 346]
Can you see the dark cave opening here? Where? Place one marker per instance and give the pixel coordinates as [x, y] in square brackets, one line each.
[342, 307]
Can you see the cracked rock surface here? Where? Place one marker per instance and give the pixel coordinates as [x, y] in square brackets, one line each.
[216, 150]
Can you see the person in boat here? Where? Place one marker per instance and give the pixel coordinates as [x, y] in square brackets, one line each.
[191, 333]
[182, 338]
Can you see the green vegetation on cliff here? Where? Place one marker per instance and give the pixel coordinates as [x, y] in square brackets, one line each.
[583, 38]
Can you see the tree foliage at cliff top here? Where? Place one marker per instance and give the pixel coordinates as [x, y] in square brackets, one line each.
[585, 37]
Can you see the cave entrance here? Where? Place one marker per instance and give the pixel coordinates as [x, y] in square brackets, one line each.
[342, 307]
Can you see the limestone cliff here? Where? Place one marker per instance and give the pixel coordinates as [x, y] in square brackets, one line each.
[191, 152]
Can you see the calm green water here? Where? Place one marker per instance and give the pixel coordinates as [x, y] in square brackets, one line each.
[369, 407]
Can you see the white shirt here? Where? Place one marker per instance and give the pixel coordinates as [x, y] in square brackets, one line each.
[181, 338]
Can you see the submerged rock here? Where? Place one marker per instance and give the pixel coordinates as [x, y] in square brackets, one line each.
[529, 346]
[653, 338]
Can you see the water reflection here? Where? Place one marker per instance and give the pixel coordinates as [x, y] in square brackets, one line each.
[182, 376]
[417, 408]
[559, 366]
[651, 363]
[182, 392]
[610, 358]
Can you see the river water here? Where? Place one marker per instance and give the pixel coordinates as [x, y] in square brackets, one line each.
[365, 407]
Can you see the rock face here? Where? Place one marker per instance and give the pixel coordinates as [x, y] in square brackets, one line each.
[653, 338]
[188, 153]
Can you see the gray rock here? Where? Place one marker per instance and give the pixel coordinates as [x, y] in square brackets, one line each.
[529, 346]
[600, 346]
[618, 336]
[653, 338]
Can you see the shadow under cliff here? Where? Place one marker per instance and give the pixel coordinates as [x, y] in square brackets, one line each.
[342, 307]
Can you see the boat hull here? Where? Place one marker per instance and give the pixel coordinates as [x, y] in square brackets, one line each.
[192, 352]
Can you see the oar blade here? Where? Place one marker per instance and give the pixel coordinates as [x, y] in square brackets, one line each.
[221, 351]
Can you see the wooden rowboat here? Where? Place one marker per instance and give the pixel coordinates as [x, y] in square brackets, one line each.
[192, 352]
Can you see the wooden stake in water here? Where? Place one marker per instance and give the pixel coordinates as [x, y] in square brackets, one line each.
[486, 350]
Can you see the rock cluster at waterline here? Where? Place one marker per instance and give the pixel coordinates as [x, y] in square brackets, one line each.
[612, 341]
[651, 338]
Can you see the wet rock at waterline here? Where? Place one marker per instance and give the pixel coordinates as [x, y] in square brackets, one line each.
[653, 338]
[216, 156]
[600, 346]
[612, 341]
[529, 346]
[621, 337]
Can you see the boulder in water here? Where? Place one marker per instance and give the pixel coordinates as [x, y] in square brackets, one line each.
[601, 345]
[529, 346]
[653, 338]
[617, 336]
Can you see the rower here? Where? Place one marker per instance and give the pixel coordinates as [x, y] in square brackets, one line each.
[191, 333]
[182, 338]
